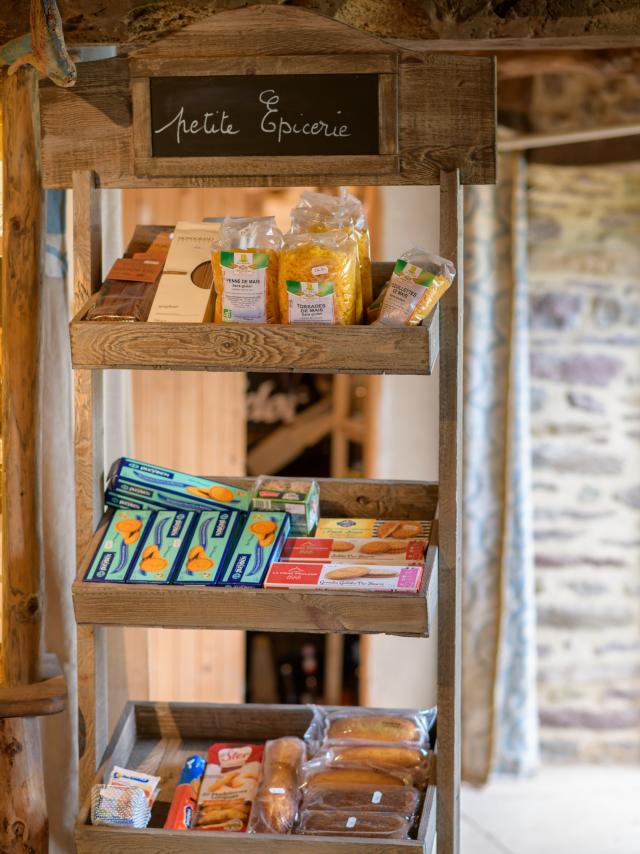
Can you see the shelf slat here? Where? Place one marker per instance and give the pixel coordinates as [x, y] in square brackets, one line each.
[341, 611]
[246, 347]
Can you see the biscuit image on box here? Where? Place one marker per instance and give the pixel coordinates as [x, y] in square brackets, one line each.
[119, 546]
[162, 548]
[211, 543]
[300, 498]
[356, 550]
[260, 543]
[336, 576]
[394, 530]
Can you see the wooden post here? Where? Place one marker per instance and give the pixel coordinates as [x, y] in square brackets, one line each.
[89, 464]
[450, 479]
[23, 816]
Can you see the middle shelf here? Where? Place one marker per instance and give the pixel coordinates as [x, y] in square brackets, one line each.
[343, 611]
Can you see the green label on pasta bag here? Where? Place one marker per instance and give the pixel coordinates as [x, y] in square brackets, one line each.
[406, 289]
[311, 302]
[244, 296]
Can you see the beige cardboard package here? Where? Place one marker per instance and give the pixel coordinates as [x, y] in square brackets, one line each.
[185, 290]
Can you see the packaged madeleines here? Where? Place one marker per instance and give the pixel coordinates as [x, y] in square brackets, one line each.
[418, 281]
[318, 279]
[245, 270]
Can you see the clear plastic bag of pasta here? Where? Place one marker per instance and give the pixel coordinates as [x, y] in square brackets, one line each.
[317, 278]
[245, 270]
[418, 281]
[343, 211]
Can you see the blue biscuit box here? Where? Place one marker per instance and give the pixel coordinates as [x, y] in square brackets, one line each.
[260, 543]
[120, 544]
[212, 541]
[163, 546]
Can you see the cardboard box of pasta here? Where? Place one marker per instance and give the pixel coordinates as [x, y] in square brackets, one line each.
[300, 498]
[155, 487]
[341, 576]
[382, 529]
[119, 546]
[260, 544]
[387, 552]
[162, 548]
[185, 289]
[212, 540]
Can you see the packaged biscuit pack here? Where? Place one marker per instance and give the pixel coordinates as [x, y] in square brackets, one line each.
[380, 529]
[260, 543]
[182, 811]
[229, 787]
[366, 550]
[300, 498]
[212, 540]
[373, 726]
[161, 551]
[406, 759]
[418, 281]
[156, 486]
[379, 825]
[120, 545]
[245, 270]
[401, 800]
[318, 774]
[317, 279]
[301, 575]
[276, 803]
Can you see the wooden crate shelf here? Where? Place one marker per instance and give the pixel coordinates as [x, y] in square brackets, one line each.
[312, 348]
[159, 737]
[201, 606]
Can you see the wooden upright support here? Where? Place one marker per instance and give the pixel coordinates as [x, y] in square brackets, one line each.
[450, 492]
[23, 816]
[89, 465]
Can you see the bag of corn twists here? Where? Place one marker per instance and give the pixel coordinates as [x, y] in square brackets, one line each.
[418, 281]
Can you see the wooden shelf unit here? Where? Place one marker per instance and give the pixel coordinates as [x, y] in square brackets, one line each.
[437, 126]
[158, 737]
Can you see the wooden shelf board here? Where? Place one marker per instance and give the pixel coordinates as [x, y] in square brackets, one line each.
[158, 737]
[244, 347]
[201, 606]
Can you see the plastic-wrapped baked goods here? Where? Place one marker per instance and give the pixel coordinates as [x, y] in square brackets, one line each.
[245, 270]
[402, 800]
[405, 758]
[318, 773]
[418, 281]
[377, 825]
[317, 278]
[364, 725]
[276, 804]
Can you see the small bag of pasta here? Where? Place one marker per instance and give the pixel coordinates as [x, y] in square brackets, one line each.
[418, 281]
[245, 270]
[317, 278]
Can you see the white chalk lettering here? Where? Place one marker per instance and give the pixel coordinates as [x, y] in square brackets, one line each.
[216, 122]
[273, 121]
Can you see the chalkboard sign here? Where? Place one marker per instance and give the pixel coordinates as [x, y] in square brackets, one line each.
[264, 115]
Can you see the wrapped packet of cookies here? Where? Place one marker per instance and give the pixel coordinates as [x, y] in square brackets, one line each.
[373, 726]
[418, 281]
[229, 787]
[276, 804]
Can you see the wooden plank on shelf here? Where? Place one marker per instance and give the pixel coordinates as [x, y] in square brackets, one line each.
[88, 450]
[446, 106]
[449, 523]
[260, 348]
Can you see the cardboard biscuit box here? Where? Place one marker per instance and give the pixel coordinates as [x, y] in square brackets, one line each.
[162, 548]
[185, 290]
[212, 540]
[260, 544]
[392, 529]
[386, 552]
[296, 496]
[119, 545]
[341, 576]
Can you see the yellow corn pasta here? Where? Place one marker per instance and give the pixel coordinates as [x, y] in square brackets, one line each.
[418, 281]
[245, 270]
[317, 278]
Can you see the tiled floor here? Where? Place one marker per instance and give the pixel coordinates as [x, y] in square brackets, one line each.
[563, 810]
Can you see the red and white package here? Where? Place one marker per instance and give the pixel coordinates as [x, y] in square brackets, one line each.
[341, 576]
[229, 787]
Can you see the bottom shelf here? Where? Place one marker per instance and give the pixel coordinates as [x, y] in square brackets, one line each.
[159, 737]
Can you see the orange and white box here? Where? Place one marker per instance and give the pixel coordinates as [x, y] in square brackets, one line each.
[380, 529]
[343, 576]
[370, 550]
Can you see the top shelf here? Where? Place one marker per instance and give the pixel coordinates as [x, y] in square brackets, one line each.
[292, 348]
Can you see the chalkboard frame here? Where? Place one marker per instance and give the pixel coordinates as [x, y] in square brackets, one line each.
[386, 162]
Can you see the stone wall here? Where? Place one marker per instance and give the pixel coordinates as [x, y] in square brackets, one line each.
[584, 255]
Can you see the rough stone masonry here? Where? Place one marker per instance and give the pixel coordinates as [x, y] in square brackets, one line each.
[584, 257]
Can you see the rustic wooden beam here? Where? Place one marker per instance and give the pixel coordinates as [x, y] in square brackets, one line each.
[548, 140]
[23, 827]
